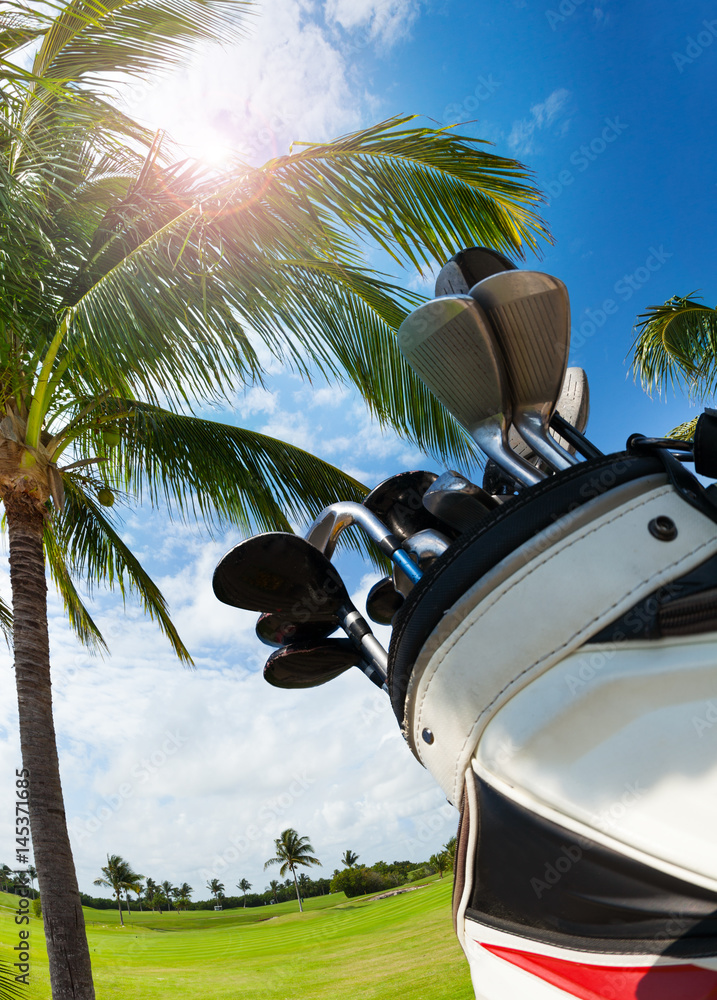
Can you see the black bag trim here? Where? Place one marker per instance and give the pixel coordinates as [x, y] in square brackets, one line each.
[537, 880]
[687, 606]
[473, 554]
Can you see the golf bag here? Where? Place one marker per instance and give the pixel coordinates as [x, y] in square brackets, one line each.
[556, 672]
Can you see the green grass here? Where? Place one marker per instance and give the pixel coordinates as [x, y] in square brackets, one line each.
[402, 947]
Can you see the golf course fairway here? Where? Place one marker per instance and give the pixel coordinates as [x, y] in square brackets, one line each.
[399, 947]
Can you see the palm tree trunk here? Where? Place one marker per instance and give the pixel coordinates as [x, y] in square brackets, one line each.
[296, 886]
[119, 907]
[69, 956]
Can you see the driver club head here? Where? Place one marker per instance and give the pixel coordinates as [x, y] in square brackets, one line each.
[283, 574]
[468, 267]
[279, 630]
[530, 314]
[398, 502]
[383, 601]
[450, 345]
[309, 664]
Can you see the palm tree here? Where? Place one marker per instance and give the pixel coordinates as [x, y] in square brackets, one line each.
[449, 850]
[119, 877]
[274, 886]
[139, 889]
[216, 888]
[244, 886]
[349, 859]
[168, 890]
[439, 861]
[6, 876]
[182, 894]
[676, 346]
[292, 850]
[127, 286]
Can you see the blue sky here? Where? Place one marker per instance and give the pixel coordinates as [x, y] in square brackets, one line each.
[192, 775]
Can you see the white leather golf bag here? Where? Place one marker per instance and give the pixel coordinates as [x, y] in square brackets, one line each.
[556, 672]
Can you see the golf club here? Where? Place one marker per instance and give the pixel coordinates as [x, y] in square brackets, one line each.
[286, 575]
[530, 314]
[468, 267]
[279, 630]
[425, 547]
[449, 344]
[327, 527]
[308, 664]
[398, 503]
[383, 601]
[458, 502]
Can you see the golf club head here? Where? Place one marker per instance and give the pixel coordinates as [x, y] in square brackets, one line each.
[309, 664]
[573, 404]
[383, 601]
[468, 267]
[530, 314]
[397, 502]
[450, 345]
[424, 548]
[458, 502]
[281, 573]
[499, 483]
[278, 630]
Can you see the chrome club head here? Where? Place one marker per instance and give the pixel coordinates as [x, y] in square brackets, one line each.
[458, 502]
[449, 344]
[530, 314]
[468, 267]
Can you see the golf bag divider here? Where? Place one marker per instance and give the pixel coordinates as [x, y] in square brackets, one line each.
[544, 506]
[553, 598]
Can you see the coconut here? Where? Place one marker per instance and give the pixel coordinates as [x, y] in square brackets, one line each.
[106, 497]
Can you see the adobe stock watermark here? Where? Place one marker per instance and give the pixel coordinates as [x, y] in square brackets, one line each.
[483, 90]
[142, 771]
[696, 45]
[269, 812]
[427, 829]
[565, 9]
[581, 158]
[701, 723]
[572, 854]
[624, 288]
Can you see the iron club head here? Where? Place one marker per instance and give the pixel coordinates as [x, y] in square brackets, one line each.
[530, 314]
[398, 502]
[458, 502]
[449, 344]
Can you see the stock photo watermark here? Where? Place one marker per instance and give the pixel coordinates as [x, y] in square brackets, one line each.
[695, 45]
[483, 90]
[581, 157]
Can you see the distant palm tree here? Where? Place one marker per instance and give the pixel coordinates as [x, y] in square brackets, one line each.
[216, 888]
[292, 850]
[32, 872]
[139, 889]
[439, 861]
[274, 886]
[349, 859]
[168, 890]
[182, 894]
[119, 877]
[450, 850]
[244, 886]
[6, 876]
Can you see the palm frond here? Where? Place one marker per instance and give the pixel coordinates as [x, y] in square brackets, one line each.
[90, 40]
[79, 617]
[685, 431]
[676, 345]
[95, 552]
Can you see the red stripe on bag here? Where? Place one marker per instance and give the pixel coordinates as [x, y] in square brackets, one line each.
[610, 982]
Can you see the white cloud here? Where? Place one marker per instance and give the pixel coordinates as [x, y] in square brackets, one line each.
[542, 116]
[386, 20]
